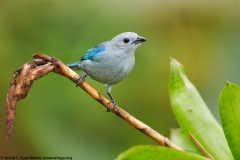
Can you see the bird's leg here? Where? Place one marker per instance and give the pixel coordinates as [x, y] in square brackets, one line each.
[81, 79]
[109, 87]
[113, 102]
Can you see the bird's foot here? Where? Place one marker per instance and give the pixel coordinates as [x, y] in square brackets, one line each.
[81, 79]
[114, 104]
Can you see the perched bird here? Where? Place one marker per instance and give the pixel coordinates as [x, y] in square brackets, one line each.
[109, 62]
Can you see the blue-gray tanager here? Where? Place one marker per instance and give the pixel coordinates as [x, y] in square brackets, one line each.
[109, 62]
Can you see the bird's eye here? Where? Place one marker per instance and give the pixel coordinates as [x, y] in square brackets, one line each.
[126, 40]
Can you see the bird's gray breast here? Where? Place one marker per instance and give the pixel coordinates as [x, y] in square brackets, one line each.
[108, 68]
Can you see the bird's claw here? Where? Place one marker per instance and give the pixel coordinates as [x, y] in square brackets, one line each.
[81, 79]
[114, 104]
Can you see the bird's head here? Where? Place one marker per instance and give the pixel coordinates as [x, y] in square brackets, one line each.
[127, 41]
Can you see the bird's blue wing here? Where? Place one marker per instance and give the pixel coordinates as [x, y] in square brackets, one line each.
[91, 53]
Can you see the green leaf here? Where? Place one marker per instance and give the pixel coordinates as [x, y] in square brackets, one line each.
[229, 106]
[148, 152]
[178, 137]
[193, 114]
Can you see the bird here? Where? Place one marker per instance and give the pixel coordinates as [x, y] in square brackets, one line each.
[110, 61]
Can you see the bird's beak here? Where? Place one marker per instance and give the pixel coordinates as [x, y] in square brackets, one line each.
[139, 40]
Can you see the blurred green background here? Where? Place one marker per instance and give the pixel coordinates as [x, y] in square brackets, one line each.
[58, 119]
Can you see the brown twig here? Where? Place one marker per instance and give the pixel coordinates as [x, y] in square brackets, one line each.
[23, 78]
[200, 147]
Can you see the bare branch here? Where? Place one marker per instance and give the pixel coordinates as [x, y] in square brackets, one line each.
[200, 147]
[23, 78]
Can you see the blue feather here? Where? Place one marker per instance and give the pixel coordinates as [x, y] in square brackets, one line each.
[74, 65]
[91, 53]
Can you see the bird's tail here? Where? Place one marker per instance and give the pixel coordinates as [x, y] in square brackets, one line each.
[74, 65]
